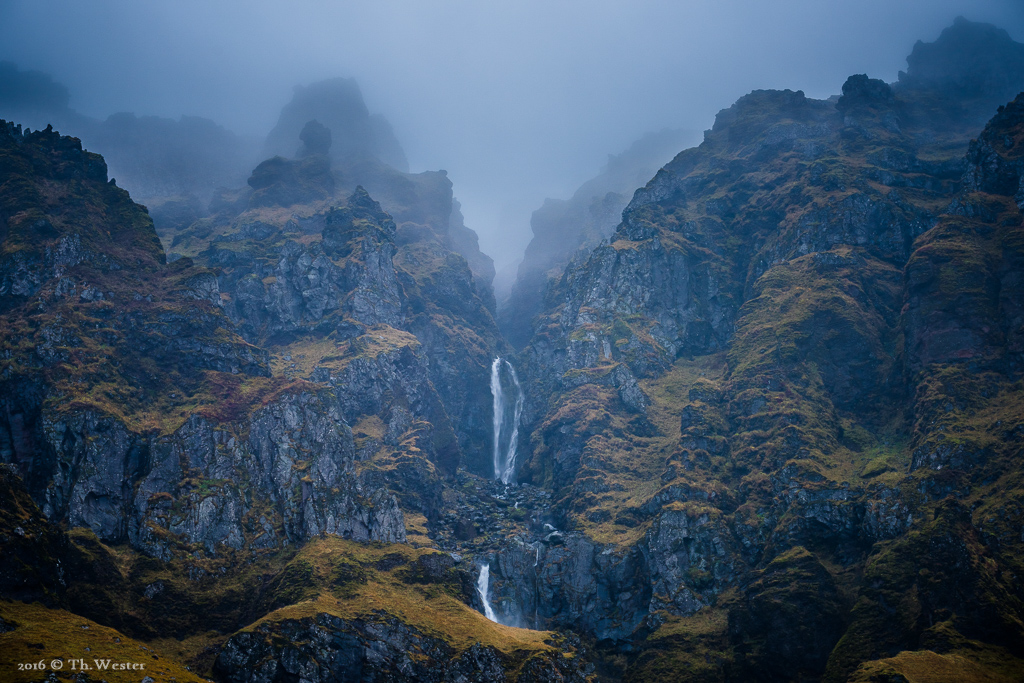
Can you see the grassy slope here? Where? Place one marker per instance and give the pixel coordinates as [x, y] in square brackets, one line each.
[44, 634]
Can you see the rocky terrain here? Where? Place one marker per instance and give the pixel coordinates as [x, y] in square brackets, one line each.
[564, 230]
[769, 428]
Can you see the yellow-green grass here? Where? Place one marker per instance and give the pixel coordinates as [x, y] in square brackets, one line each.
[694, 648]
[330, 575]
[221, 397]
[416, 533]
[378, 340]
[303, 355]
[48, 635]
[984, 665]
[433, 609]
[632, 466]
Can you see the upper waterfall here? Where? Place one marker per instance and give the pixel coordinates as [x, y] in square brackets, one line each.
[503, 376]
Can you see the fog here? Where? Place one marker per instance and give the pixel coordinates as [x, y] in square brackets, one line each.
[518, 101]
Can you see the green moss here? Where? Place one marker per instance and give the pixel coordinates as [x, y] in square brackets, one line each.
[694, 648]
[939, 572]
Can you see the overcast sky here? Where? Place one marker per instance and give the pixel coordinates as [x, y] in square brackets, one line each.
[516, 100]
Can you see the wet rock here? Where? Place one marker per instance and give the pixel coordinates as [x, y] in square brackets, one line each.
[326, 648]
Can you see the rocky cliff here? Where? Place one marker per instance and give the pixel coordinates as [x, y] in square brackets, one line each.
[136, 412]
[568, 229]
[791, 368]
[131, 405]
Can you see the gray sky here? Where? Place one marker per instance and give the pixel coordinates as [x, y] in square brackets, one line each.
[516, 100]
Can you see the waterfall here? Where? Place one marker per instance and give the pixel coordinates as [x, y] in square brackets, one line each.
[482, 582]
[513, 443]
[505, 458]
[499, 415]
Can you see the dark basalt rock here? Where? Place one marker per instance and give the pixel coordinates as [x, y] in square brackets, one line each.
[567, 230]
[861, 91]
[34, 549]
[284, 182]
[316, 139]
[327, 648]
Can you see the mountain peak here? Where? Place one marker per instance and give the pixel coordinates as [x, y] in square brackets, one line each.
[969, 59]
[337, 104]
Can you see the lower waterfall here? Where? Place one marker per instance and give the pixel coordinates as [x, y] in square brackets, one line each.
[505, 453]
[482, 588]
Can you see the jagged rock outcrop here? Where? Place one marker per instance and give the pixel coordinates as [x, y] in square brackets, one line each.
[327, 648]
[424, 207]
[399, 309]
[345, 282]
[339, 268]
[283, 182]
[105, 346]
[336, 104]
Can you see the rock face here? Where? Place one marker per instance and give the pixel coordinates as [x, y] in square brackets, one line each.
[294, 479]
[398, 308]
[329, 649]
[82, 263]
[567, 229]
[758, 378]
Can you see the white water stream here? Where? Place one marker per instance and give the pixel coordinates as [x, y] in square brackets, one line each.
[482, 588]
[505, 453]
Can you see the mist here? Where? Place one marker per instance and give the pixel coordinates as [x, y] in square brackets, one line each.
[517, 101]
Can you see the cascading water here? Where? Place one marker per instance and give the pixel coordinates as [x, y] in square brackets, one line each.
[498, 401]
[482, 588]
[506, 422]
[505, 453]
[513, 443]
